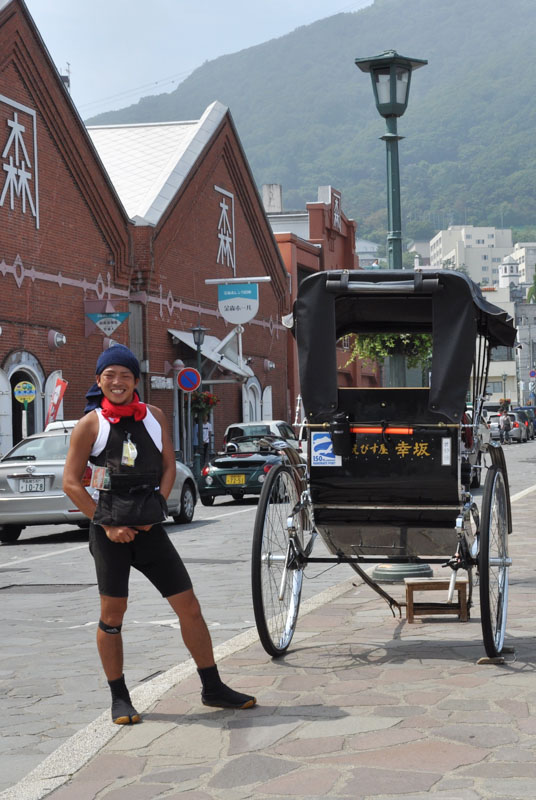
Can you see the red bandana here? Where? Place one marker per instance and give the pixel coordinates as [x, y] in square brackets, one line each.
[114, 413]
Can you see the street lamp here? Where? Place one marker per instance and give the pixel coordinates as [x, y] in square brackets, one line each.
[198, 334]
[504, 379]
[391, 78]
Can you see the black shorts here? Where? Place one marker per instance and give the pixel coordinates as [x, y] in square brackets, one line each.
[151, 552]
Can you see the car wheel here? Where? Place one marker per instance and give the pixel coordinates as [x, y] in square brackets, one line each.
[84, 524]
[187, 504]
[208, 500]
[237, 496]
[10, 533]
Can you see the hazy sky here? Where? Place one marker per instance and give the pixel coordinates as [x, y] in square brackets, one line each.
[121, 50]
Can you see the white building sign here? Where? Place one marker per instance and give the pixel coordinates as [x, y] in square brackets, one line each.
[18, 158]
[226, 231]
[238, 302]
[336, 211]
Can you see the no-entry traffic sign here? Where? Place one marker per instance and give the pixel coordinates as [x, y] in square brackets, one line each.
[188, 379]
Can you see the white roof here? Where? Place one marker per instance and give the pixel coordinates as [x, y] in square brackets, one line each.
[212, 348]
[148, 162]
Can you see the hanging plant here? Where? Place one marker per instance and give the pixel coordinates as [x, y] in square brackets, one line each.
[376, 347]
[203, 402]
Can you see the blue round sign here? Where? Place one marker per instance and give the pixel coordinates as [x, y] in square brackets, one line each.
[188, 379]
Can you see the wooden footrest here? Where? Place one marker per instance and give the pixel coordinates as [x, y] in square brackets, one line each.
[414, 609]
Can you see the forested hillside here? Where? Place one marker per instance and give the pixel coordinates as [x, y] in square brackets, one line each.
[306, 114]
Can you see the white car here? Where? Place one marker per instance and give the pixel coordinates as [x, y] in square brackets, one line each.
[262, 427]
[31, 493]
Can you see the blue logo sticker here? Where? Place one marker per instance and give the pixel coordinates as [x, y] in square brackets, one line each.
[322, 454]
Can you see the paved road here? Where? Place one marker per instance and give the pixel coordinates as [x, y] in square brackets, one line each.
[50, 678]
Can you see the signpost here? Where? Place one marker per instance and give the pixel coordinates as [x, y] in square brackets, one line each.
[24, 392]
[188, 379]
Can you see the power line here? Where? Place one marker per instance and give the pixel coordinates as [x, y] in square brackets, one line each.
[137, 89]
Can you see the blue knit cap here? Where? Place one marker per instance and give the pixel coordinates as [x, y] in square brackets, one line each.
[117, 354]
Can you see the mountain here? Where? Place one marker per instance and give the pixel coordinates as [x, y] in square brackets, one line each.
[306, 114]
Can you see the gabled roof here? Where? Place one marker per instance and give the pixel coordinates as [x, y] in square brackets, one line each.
[147, 163]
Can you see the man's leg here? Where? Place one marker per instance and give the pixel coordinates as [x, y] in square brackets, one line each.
[197, 639]
[110, 647]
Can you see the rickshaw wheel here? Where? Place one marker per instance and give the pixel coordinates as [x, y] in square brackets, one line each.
[494, 562]
[275, 617]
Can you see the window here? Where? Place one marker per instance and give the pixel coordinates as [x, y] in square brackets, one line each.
[495, 270]
[480, 241]
[496, 260]
[491, 235]
[484, 269]
[494, 387]
[502, 353]
[468, 235]
[484, 258]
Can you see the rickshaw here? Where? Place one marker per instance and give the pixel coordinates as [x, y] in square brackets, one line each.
[389, 470]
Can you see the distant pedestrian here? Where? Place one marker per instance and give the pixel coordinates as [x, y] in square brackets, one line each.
[207, 433]
[505, 426]
[134, 470]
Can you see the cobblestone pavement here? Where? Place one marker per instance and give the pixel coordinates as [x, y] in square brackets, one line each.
[364, 705]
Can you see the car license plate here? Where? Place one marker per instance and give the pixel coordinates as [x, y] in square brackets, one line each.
[235, 480]
[32, 485]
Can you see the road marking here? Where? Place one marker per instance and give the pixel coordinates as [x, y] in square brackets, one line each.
[44, 555]
[233, 513]
[523, 493]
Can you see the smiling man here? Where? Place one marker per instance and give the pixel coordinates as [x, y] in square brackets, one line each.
[129, 446]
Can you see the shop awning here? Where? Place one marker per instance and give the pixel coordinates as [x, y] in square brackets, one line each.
[218, 351]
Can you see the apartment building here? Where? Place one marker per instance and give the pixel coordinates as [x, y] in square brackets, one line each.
[525, 255]
[477, 250]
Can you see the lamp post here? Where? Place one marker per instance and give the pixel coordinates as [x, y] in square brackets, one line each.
[198, 334]
[391, 78]
[504, 378]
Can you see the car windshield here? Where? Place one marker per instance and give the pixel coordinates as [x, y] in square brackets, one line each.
[250, 444]
[52, 448]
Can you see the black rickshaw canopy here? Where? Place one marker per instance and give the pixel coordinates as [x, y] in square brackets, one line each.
[444, 303]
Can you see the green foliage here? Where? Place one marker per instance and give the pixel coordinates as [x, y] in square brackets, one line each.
[306, 115]
[376, 347]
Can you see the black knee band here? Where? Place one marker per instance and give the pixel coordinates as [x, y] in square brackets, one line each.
[109, 628]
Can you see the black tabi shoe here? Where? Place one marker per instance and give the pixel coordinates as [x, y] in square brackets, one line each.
[123, 712]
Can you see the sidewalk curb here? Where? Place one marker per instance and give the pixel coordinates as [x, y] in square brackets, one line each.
[75, 753]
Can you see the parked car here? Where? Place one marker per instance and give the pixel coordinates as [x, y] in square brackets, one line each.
[518, 431]
[241, 469]
[529, 411]
[31, 493]
[263, 427]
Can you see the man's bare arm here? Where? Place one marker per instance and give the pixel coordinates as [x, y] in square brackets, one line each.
[82, 439]
[169, 467]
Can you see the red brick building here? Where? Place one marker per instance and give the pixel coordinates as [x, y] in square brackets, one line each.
[126, 225]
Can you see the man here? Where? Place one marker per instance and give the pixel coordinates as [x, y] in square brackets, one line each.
[207, 431]
[505, 426]
[134, 469]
